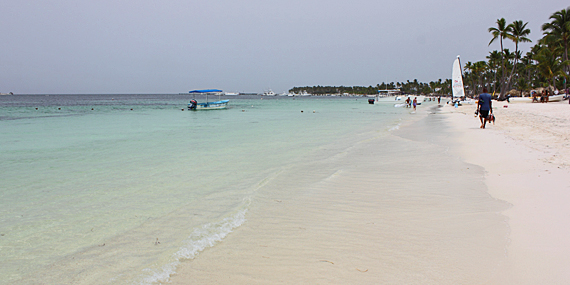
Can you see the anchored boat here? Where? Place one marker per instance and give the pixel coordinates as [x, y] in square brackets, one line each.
[220, 104]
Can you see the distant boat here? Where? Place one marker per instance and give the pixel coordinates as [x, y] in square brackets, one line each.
[231, 93]
[520, 100]
[555, 98]
[551, 98]
[269, 93]
[194, 105]
[304, 93]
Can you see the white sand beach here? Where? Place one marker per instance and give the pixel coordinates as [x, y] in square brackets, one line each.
[492, 210]
[526, 157]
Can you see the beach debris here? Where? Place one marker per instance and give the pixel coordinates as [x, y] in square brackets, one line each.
[324, 260]
[102, 245]
[156, 242]
[278, 201]
[362, 270]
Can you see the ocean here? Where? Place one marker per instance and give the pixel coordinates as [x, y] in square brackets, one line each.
[121, 189]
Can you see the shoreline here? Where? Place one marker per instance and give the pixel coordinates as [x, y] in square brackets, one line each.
[399, 208]
[507, 224]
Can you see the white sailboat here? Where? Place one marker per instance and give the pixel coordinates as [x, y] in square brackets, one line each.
[457, 79]
[457, 85]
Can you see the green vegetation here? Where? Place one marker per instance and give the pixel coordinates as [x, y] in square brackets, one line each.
[546, 64]
[409, 87]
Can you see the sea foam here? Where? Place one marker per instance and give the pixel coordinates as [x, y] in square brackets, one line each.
[201, 238]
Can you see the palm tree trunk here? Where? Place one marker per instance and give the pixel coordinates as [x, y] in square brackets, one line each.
[502, 71]
[567, 68]
[514, 66]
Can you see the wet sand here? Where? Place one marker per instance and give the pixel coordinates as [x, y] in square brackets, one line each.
[399, 209]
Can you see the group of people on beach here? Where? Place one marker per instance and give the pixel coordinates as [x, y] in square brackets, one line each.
[409, 103]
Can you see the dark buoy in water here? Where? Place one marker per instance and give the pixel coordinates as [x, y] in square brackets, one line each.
[59, 108]
[370, 101]
[182, 109]
[301, 111]
[36, 108]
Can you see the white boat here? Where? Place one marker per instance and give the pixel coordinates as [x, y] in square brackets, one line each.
[222, 104]
[457, 80]
[304, 93]
[269, 93]
[520, 100]
[231, 93]
[457, 86]
[555, 98]
[216, 105]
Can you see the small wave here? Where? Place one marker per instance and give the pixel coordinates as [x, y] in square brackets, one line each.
[394, 128]
[200, 239]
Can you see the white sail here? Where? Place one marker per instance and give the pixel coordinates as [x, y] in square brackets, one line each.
[457, 80]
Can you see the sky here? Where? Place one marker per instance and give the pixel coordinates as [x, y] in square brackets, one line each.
[173, 46]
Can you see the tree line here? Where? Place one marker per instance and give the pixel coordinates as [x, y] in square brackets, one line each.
[506, 72]
[503, 72]
[409, 87]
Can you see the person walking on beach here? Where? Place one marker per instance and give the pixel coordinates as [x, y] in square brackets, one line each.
[484, 107]
[438, 99]
[415, 102]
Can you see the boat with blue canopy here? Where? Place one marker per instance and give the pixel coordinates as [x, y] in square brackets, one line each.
[220, 104]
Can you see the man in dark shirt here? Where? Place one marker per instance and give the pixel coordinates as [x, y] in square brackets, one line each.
[484, 107]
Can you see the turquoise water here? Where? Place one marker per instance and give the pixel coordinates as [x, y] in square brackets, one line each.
[120, 188]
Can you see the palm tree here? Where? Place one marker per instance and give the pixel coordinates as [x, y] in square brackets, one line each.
[519, 34]
[467, 76]
[549, 64]
[478, 69]
[494, 59]
[501, 32]
[559, 28]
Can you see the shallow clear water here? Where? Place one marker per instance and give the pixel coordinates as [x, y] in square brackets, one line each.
[119, 188]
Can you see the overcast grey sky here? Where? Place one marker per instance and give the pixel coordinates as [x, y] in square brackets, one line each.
[152, 46]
